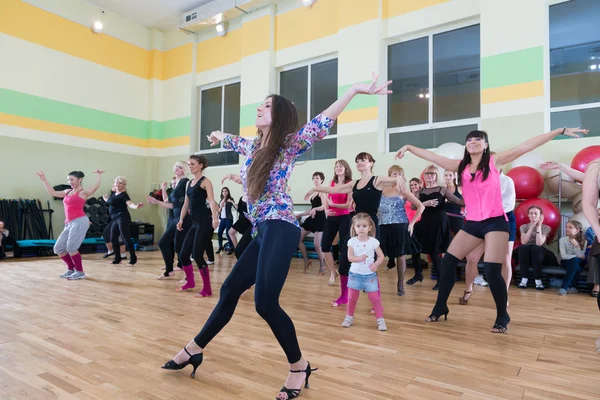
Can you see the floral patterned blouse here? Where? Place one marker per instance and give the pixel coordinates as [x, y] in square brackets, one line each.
[275, 203]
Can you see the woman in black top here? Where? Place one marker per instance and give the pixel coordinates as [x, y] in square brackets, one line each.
[314, 224]
[118, 203]
[243, 224]
[172, 239]
[226, 203]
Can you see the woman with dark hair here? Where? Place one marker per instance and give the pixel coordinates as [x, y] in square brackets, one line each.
[366, 194]
[479, 176]
[76, 222]
[119, 202]
[226, 203]
[270, 158]
[243, 224]
[171, 241]
[197, 192]
[314, 224]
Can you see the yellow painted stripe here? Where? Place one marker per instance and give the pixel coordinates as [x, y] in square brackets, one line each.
[360, 11]
[35, 25]
[393, 8]
[30, 123]
[256, 36]
[512, 92]
[157, 64]
[177, 61]
[306, 24]
[358, 115]
[248, 131]
[219, 51]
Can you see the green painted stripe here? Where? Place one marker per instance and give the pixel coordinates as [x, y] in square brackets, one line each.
[511, 68]
[360, 101]
[248, 114]
[29, 106]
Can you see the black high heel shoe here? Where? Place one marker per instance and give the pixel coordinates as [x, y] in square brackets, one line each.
[195, 360]
[293, 393]
[414, 280]
[219, 251]
[436, 317]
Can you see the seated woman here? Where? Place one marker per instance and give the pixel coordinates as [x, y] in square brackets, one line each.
[572, 254]
[533, 252]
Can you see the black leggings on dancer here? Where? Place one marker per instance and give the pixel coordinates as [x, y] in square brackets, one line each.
[266, 263]
[436, 262]
[171, 242]
[333, 225]
[120, 227]
[196, 241]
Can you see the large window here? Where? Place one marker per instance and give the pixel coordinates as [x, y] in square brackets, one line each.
[575, 65]
[313, 88]
[436, 88]
[219, 111]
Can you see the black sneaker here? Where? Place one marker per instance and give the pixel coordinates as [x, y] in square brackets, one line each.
[108, 255]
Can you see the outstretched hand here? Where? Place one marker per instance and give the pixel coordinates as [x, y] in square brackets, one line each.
[151, 200]
[400, 153]
[550, 165]
[213, 139]
[41, 175]
[372, 88]
[98, 171]
[574, 132]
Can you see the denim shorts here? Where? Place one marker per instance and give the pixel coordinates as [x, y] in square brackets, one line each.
[368, 283]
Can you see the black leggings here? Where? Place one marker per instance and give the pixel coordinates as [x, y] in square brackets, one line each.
[531, 255]
[120, 227]
[333, 225]
[196, 241]
[436, 262]
[243, 243]
[266, 263]
[171, 242]
[106, 235]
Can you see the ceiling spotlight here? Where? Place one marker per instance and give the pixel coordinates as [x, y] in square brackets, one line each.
[593, 67]
[97, 26]
[221, 29]
[308, 3]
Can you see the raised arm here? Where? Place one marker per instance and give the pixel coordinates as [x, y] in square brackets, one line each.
[164, 204]
[345, 188]
[573, 173]
[231, 142]
[446, 163]
[589, 198]
[510, 155]
[451, 197]
[165, 196]
[90, 192]
[232, 177]
[385, 181]
[49, 187]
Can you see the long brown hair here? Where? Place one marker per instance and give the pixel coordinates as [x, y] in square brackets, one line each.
[484, 164]
[347, 171]
[579, 237]
[284, 121]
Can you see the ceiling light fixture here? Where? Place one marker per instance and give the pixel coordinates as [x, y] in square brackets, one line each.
[97, 26]
[221, 29]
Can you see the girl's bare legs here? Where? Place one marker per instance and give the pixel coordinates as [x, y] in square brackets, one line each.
[401, 267]
[317, 241]
[302, 248]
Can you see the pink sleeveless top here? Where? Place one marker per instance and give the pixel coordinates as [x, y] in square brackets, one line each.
[73, 207]
[338, 198]
[483, 199]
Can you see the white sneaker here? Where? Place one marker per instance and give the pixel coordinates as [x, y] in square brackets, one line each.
[77, 275]
[381, 324]
[68, 273]
[348, 321]
[210, 262]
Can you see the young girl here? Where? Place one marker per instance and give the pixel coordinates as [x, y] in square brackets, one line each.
[572, 253]
[533, 253]
[362, 248]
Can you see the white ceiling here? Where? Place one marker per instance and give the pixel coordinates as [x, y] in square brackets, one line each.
[161, 14]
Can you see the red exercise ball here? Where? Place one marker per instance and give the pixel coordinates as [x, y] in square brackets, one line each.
[529, 183]
[549, 209]
[584, 157]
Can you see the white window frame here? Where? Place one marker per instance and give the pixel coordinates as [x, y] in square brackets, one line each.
[548, 80]
[429, 34]
[213, 85]
[308, 63]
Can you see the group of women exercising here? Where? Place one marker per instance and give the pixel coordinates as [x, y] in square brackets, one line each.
[272, 233]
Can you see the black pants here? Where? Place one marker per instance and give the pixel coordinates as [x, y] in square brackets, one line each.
[266, 263]
[334, 225]
[106, 235]
[171, 241]
[120, 228]
[531, 255]
[436, 262]
[196, 241]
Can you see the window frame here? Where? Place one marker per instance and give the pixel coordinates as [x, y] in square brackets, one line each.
[214, 85]
[309, 63]
[549, 110]
[429, 34]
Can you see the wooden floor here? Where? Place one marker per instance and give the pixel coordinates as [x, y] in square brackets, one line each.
[107, 336]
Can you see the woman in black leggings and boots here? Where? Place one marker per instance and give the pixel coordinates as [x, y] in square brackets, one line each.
[172, 240]
[118, 203]
[486, 222]
[270, 159]
[203, 223]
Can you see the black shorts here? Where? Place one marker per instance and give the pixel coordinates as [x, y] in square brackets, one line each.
[481, 228]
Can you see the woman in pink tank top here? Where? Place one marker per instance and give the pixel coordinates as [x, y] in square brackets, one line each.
[479, 176]
[76, 222]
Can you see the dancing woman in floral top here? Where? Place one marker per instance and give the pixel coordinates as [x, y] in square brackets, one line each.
[270, 159]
